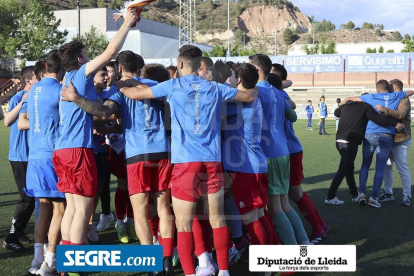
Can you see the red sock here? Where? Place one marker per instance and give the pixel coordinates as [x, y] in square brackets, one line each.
[321, 222]
[269, 229]
[256, 232]
[200, 246]
[168, 244]
[221, 243]
[159, 236]
[82, 243]
[276, 240]
[65, 242]
[120, 207]
[306, 207]
[152, 226]
[129, 210]
[185, 249]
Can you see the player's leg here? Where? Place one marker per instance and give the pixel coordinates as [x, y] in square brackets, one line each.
[67, 219]
[368, 150]
[402, 167]
[140, 205]
[122, 200]
[83, 210]
[295, 221]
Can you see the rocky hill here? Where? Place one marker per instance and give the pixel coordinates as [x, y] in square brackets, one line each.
[253, 18]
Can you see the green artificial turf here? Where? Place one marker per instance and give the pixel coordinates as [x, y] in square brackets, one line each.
[384, 237]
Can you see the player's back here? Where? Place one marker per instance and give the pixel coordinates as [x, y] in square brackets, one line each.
[76, 126]
[43, 111]
[195, 117]
[274, 106]
[241, 149]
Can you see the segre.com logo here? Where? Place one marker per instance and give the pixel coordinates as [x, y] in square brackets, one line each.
[86, 258]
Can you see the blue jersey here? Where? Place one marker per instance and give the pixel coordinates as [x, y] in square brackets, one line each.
[43, 111]
[18, 146]
[389, 100]
[242, 134]
[99, 140]
[323, 110]
[274, 106]
[142, 123]
[76, 126]
[293, 143]
[195, 117]
[309, 109]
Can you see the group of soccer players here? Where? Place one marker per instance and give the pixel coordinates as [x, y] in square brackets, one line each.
[212, 139]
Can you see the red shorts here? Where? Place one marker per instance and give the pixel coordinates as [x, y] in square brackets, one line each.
[296, 169]
[149, 176]
[76, 169]
[118, 167]
[248, 191]
[194, 179]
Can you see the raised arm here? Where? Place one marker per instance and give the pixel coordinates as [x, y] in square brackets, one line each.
[286, 84]
[379, 119]
[137, 93]
[103, 111]
[409, 93]
[114, 46]
[397, 114]
[12, 116]
[23, 123]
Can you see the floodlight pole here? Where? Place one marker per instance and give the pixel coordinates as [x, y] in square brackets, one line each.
[78, 8]
[228, 28]
[275, 30]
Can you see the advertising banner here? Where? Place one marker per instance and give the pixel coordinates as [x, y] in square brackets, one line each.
[314, 63]
[393, 62]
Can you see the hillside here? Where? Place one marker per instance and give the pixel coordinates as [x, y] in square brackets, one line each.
[254, 18]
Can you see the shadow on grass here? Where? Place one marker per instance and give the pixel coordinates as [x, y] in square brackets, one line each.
[324, 177]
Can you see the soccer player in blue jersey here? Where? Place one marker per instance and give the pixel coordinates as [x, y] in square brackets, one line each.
[195, 113]
[378, 139]
[43, 112]
[275, 110]
[245, 160]
[147, 150]
[296, 194]
[73, 157]
[18, 153]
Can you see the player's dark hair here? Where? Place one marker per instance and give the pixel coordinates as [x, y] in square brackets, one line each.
[27, 74]
[40, 68]
[279, 70]
[191, 55]
[156, 72]
[207, 61]
[220, 71]
[141, 63]
[263, 62]
[275, 81]
[383, 86]
[128, 60]
[248, 75]
[69, 53]
[53, 62]
[309, 101]
[172, 67]
[338, 100]
[111, 64]
[397, 84]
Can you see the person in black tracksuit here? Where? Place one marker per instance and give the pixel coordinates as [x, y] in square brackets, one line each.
[351, 130]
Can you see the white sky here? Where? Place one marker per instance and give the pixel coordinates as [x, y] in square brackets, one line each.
[393, 14]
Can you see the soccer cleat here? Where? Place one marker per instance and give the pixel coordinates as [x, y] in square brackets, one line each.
[34, 267]
[168, 267]
[374, 202]
[24, 239]
[131, 232]
[317, 238]
[122, 233]
[234, 255]
[386, 197]
[355, 199]
[406, 200]
[310, 128]
[104, 222]
[45, 270]
[243, 245]
[362, 199]
[206, 271]
[13, 246]
[326, 228]
[176, 257]
[92, 235]
[333, 201]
